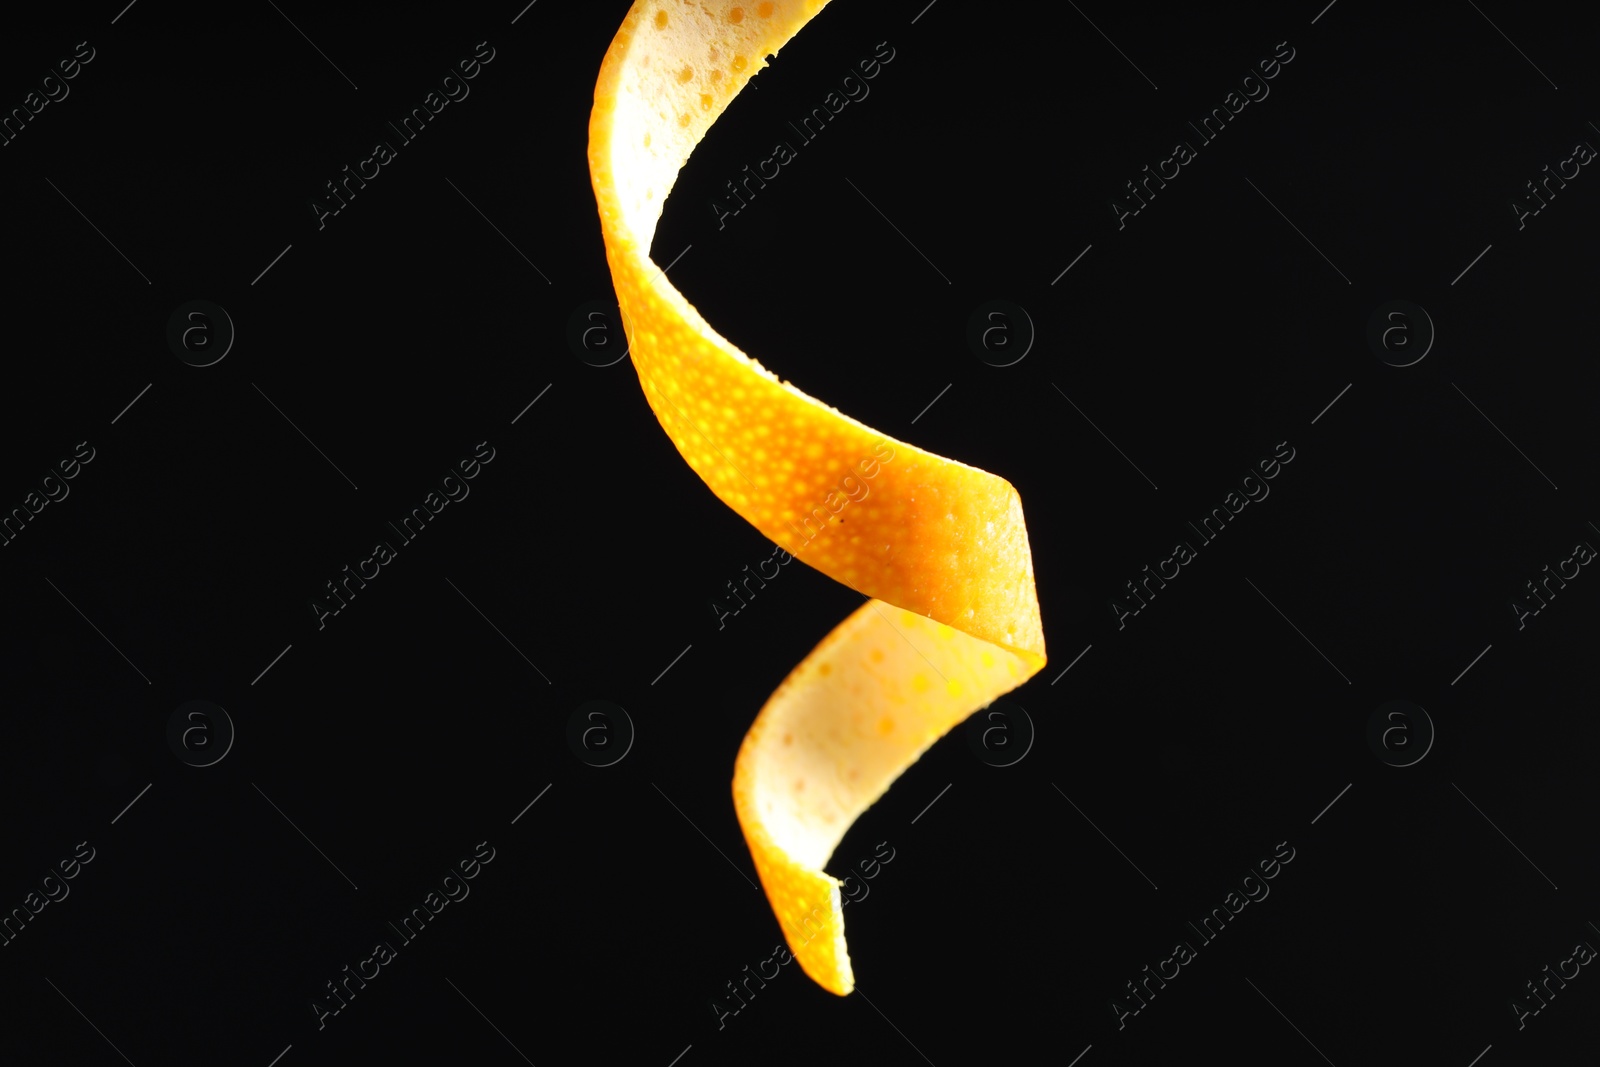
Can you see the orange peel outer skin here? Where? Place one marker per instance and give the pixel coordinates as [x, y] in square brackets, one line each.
[939, 549]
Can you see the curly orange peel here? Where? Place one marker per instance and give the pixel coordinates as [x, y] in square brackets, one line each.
[940, 549]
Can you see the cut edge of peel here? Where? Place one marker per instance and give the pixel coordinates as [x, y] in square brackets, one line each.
[861, 708]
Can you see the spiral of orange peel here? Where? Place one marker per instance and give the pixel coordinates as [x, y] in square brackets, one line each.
[939, 548]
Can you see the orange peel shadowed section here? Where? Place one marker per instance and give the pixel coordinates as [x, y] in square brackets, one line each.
[940, 549]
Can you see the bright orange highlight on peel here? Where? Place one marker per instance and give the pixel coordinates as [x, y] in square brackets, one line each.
[939, 548]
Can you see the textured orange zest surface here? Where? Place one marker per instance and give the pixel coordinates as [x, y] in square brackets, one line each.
[938, 548]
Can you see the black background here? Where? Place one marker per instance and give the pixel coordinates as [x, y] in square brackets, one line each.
[1218, 722]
